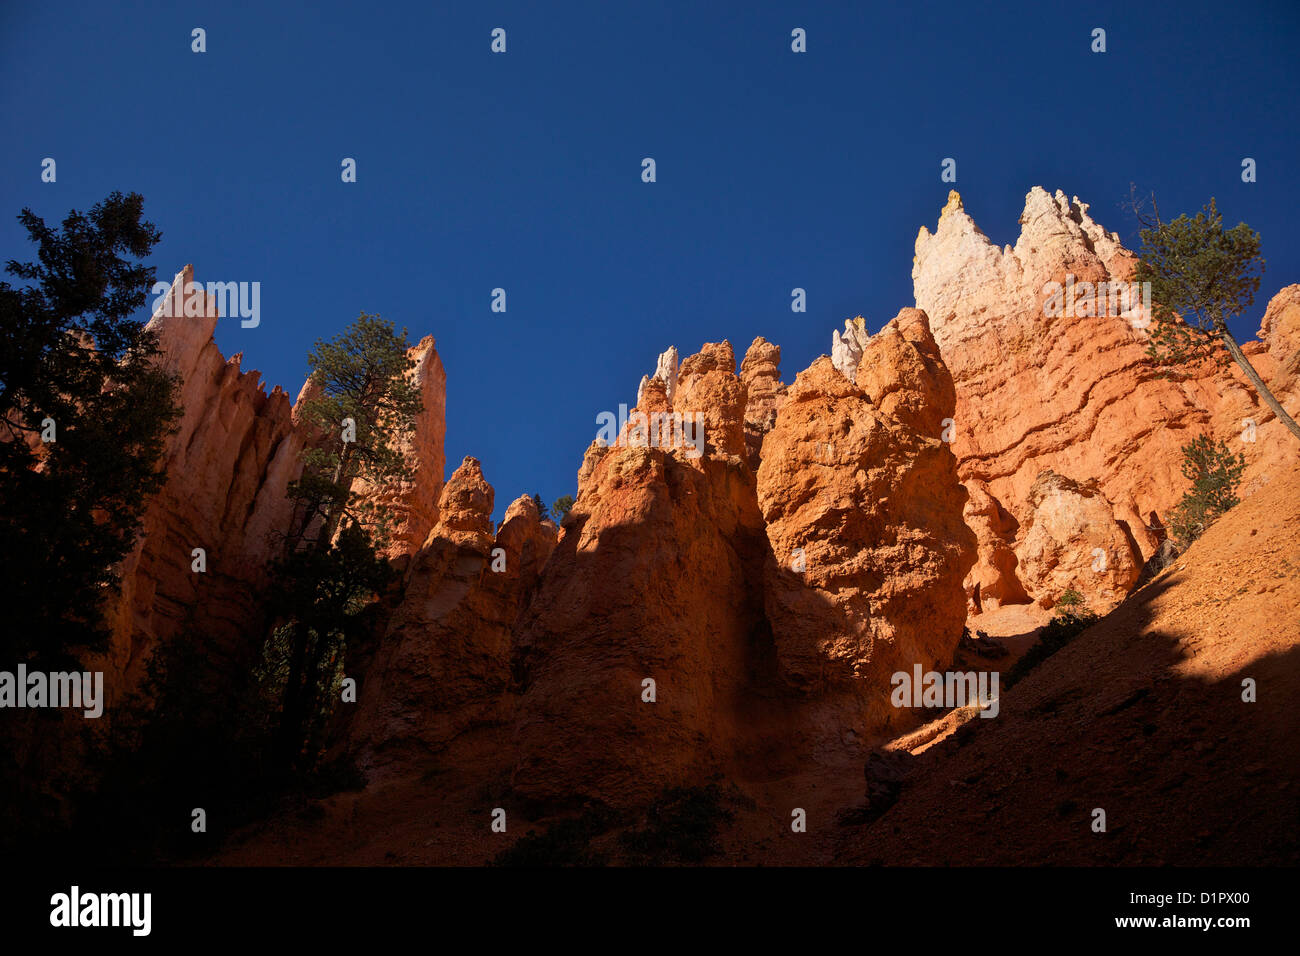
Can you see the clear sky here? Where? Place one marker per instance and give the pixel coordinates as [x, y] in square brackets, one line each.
[522, 170]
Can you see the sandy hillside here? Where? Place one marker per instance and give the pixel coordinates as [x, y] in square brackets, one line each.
[1142, 716]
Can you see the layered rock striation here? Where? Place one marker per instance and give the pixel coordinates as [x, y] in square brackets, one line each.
[1047, 383]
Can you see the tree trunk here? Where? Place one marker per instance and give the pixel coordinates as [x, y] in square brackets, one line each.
[334, 512]
[1261, 389]
[314, 702]
[290, 730]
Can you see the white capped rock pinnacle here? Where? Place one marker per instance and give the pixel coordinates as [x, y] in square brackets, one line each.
[666, 371]
[847, 346]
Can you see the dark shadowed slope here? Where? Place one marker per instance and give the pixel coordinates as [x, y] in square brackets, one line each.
[1141, 716]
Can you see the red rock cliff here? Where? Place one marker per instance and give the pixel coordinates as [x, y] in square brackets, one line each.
[228, 467]
[1075, 393]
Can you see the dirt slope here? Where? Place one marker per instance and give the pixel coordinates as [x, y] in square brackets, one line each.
[1142, 716]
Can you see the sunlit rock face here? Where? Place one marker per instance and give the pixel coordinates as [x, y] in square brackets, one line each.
[1065, 384]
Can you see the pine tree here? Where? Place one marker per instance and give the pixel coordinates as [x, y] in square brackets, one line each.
[560, 509]
[361, 407]
[1201, 276]
[360, 411]
[85, 411]
[1215, 473]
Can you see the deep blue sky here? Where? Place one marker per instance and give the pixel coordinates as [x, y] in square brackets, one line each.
[522, 170]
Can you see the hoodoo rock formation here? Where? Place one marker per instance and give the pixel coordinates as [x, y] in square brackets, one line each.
[847, 346]
[697, 614]
[707, 386]
[760, 371]
[864, 514]
[902, 374]
[1072, 541]
[665, 372]
[657, 578]
[197, 572]
[1280, 331]
[730, 595]
[444, 660]
[993, 580]
[228, 467]
[1071, 389]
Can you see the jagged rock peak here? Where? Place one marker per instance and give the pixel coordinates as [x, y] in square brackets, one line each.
[760, 373]
[847, 346]
[902, 373]
[958, 260]
[665, 371]
[525, 506]
[762, 359]
[465, 508]
[413, 504]
[709, 389]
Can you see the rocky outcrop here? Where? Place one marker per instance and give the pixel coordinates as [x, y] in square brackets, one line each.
[760, 372]
[1277, 359]
[707, 386]
[992, 582]
[1046, 383]
[711, 604]
[443, 664]
[769, 610]
[864, 516]
[902, 374]
[197, 571]
[633, 656]
[228, 468]
[590, 459]
[1142, 711]
[665, 372]
[1147, 532]
[847, 346]
[1072, 541]
[1280, 332]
